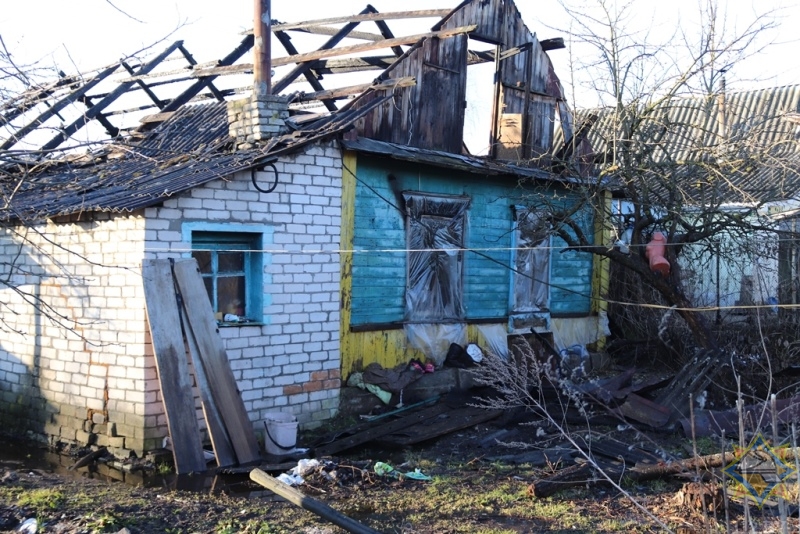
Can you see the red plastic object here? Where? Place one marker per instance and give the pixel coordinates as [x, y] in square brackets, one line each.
[655, 251]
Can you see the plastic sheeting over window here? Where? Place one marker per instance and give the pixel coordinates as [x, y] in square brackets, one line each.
[435, 239]
[532, 263]
[435, 228]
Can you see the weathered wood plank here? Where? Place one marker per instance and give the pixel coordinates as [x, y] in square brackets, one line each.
[396, 15]
[333, 52]
[372, 433]
[212, 354]
[451, 421]
[309, 503]
[223, 448]
[172, 366]
[344, 92]
[325, 30]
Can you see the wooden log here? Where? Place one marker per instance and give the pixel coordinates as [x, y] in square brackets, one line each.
[89, 458]
[312, 505]
[580, 474]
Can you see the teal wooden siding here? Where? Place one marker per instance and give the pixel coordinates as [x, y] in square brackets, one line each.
[379, 241]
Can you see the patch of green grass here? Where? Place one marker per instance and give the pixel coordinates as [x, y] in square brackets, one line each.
[41, 500]
[503, 494]
[99, 522]
[253, 526]
[705, 446]
[164, 468]
[658, 485]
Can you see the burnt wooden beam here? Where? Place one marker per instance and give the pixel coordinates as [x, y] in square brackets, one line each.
[568, 148]
[320, 66]
[157, 101]
[286, 41]
[355, 64]
[344, 92]
[303, 67]
[97, 108]
[193, 63]
[199, 85]
[424, 13]
[325, 30]
[321, 54]
[385, 31]
[552, 44]
[15, 107]
[111, 130]
[56, 107]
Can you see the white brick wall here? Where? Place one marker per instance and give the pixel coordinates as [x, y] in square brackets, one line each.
[106, 365]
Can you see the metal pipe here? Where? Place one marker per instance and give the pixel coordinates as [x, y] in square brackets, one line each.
[262, 50]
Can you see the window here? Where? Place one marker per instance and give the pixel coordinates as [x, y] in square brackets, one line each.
[531, 278]
[231, 265]
[435, 239]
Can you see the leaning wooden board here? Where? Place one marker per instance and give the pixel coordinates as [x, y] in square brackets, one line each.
[172, 366]
[211, 354]
[223, 449]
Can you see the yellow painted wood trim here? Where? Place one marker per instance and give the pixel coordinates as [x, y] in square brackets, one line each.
[601, 266]
[346, 353]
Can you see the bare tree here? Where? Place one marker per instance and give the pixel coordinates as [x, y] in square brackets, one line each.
[671, 143]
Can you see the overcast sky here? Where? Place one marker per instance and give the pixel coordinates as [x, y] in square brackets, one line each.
[87, 34]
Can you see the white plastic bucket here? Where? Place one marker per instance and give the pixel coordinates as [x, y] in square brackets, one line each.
[280, 433]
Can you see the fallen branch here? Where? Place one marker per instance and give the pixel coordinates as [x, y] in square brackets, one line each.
[309, 503]
[89, 458]
[578, 475]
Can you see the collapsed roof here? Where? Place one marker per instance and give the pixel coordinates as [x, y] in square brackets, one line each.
[133, 133]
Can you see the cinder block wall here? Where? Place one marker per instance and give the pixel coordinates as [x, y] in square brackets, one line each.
[292, 362]
[75, 368]
[98, 384]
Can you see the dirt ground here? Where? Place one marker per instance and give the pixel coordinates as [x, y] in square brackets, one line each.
[470, 491]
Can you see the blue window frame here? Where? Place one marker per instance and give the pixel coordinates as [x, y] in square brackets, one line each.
[231, 265]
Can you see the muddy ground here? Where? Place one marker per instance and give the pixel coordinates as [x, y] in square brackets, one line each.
[470, 491]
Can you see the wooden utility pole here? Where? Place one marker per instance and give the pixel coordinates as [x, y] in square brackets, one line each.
[262, 48]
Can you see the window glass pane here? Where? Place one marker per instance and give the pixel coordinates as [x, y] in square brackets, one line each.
[203, 258]
[209, 283]
[230, 295]
[231, 262]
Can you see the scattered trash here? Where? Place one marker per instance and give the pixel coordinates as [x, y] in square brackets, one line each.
[29, 526]
[306, 466]
[290, 479]
[383, 469]
[357, 380]
[460, 358]
[475, 352]
[575, 362]
[421, 367]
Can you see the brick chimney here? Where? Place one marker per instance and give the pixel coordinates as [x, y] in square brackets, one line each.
[257, 118]
[263, 115]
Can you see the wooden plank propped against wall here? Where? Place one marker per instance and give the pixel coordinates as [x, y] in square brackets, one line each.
[223, 449]
[173, 369]
[211, 353]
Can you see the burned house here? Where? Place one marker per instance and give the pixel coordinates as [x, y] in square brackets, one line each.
[327, 238]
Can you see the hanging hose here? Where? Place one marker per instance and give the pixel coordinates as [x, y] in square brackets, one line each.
[255, 184]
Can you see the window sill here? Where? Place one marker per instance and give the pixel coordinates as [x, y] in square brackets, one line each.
[231, 324]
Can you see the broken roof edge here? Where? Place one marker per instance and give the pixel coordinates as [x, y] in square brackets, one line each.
[449, 160]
